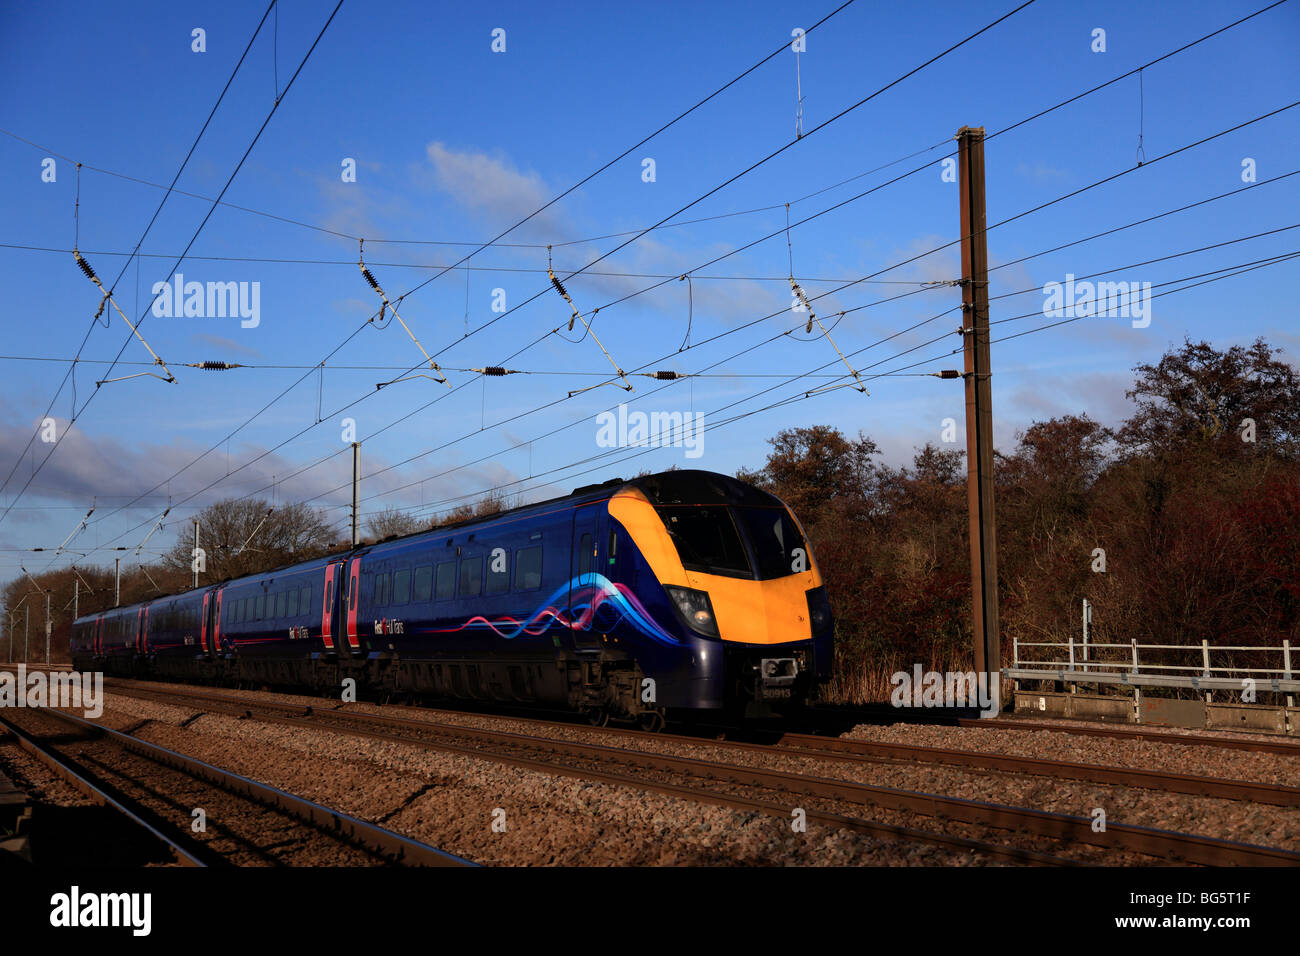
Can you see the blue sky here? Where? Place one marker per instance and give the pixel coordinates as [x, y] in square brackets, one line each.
[453, 143]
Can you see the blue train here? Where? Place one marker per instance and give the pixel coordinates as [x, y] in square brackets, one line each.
[670, 595]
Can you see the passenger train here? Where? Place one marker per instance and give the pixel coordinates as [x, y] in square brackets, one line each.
[676, 594]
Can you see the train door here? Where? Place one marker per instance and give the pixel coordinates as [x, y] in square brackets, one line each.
[97, 635]
[351, 599]
[139, 632]
[216, 622]
[586, 573]
[203, 627]
[144, 632]
[212, 621]
[329, 606]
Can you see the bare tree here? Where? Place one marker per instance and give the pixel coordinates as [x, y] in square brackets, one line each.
[393, 521]
[241, 536]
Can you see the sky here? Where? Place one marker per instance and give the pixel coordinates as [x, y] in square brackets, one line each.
[453, 142]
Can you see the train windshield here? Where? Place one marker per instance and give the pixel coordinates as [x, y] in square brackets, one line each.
[707, 539]
[712, 539]
[774, 540]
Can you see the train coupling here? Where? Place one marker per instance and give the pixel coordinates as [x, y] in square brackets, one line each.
[776, 676]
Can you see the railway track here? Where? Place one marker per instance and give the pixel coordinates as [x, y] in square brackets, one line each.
[865, 751]
[159, 792]
[1168, 782]
[1135, 733]
[716, 781]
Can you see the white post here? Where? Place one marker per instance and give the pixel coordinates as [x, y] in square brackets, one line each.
[1205, 663]
[356, 492]
[1074, 689]
[1137, 691]
[1286, 668]
[1015, 657]
[117, 582]
[1087, 621]
[196, 552]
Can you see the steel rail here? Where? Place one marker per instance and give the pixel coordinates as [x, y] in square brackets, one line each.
[374, 839]
[1156, 736]
[55, 761]
[1166, 781]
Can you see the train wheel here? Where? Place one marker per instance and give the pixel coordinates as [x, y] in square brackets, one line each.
[597, 716]
[651, 721]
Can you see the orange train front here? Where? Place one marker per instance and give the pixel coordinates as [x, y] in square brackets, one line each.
[676, 594]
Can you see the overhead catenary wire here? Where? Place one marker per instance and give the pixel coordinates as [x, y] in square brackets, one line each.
[789, 378]
[153, 219]
[638, 452]
[1138, 221]
[189, 245]
[642, 232]
[1236, 192]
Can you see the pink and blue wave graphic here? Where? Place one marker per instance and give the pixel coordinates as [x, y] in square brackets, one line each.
[593, 597]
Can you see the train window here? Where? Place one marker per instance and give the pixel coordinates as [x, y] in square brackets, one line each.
[304, 599]
[291, 603]
[402, 586]
[445, 588]
[259, 609]
[585, 554]
[613, 544]
[383, 588]
[774, 538]
[528, 568]
[279, 604]
[706, 539]
[471, 577]
[352, 593]
[498, 574]
[423, 583]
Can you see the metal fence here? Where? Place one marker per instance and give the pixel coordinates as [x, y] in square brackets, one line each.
[1200, 667]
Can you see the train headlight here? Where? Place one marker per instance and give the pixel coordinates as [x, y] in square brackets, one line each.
[695, 609]
[819, 610]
